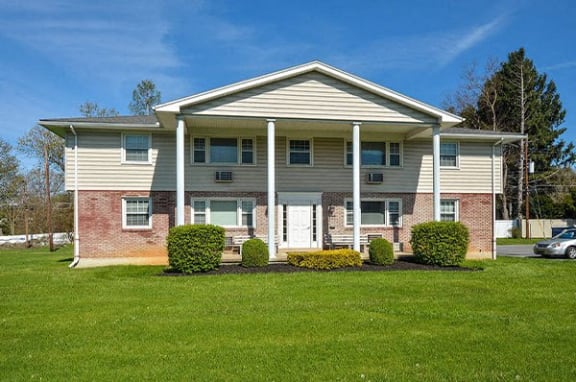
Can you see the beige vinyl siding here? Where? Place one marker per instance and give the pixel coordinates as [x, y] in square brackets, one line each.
[311, 96]
[100, 164]
[473, 174]
[100, 168]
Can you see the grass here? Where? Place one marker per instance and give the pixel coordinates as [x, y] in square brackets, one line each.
[515, 320]
[518, 241]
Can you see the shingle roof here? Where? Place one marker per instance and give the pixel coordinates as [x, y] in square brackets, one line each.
[127, 119]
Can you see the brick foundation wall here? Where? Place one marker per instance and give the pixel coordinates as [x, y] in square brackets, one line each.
[102, 234]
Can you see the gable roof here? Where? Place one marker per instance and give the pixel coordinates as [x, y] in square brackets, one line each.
[166, 112]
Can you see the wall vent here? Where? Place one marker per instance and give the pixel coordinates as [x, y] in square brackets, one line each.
[223, 176]
[375, 178]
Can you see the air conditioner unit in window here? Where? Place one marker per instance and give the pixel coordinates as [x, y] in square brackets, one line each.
[223, 176]
[375, 178]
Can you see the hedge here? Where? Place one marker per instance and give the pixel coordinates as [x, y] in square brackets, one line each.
[440, 243]
[330, 259]
[195, 248]
[381, 252]
[254, 253]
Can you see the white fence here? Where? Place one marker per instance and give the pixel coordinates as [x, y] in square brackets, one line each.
[42, 238]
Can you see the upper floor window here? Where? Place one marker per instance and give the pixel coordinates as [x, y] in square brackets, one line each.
[376, 154]
[449, 154]
[299, 152]
[385, 212]
[223, 150]
[136, 213]
[224, 212]
[449, 210]
[136, 148]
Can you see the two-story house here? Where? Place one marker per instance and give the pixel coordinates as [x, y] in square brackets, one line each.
[304, 157]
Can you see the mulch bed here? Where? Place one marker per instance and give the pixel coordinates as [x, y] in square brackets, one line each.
[398, 265]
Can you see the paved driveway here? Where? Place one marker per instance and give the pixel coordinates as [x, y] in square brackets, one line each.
[515, 250]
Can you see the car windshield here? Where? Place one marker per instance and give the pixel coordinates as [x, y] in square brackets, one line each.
[565, 235]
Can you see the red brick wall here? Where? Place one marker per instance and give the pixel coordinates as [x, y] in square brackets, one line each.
[102, 235]
[475, 211]
[101, 232]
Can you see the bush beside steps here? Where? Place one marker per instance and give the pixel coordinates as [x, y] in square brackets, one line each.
[254, 253]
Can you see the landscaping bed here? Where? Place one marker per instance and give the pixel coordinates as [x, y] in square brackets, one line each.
[398, 265]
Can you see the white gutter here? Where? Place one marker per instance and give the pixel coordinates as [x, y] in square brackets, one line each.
[76, 225]
[494, 247]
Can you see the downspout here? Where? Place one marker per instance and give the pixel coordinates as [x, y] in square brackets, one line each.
[76, 225]
[494, 247]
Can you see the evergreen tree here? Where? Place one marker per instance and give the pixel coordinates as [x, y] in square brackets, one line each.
[516, 98]
[144, 98]
[526, 102]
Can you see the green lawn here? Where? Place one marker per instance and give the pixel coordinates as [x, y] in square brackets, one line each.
[513, 321]
[519, 241]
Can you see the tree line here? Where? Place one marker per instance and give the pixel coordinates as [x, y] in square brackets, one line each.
[33, 200]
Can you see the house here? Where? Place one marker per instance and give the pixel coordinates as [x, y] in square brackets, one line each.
[306, 157]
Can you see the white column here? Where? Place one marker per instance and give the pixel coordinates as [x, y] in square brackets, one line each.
[271, 188]
[180, 131]
[436, 171]
[356, 183]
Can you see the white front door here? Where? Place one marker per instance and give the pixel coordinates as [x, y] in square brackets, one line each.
[299, 225]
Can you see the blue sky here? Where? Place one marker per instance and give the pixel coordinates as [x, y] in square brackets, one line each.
[57, 54]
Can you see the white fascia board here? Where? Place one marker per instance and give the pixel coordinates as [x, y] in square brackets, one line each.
[60, 128]
[175, 106]
[66, 124]
[506, 138]
[445, 119]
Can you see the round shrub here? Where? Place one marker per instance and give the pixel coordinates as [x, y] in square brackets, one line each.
[440, 243]
[381, 252]
[195, 248]
[254, 253]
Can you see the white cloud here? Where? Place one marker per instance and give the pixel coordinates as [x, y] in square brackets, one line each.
[98, 42]
[433, 50]
[560, 66]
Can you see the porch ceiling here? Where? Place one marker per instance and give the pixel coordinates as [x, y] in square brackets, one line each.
[329, 128]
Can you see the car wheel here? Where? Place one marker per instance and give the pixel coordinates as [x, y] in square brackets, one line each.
[571, 253]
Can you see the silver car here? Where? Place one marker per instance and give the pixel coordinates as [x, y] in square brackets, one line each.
[563, 244]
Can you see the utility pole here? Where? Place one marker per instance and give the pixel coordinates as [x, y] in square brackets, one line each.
[528, 169]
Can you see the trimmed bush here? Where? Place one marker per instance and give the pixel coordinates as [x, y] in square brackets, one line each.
[381, 252]
[195, 248]
[331, 259]
[254, 253]
[440, 243]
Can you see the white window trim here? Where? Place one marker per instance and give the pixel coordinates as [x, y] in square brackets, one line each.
[125, 213]
[387, 165]
[387, 217]
[311, 140]
[207, 148]
[456, 207]
[457, 166]
[239, 211]
[123, 144]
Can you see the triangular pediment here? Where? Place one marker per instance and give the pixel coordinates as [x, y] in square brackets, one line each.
[313, 91]
[311, 95]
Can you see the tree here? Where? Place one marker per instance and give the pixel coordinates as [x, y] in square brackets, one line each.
[92, 109]
[517, 98]
[9, 167]
[9, 182]
[144, 98]
[49, 149]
